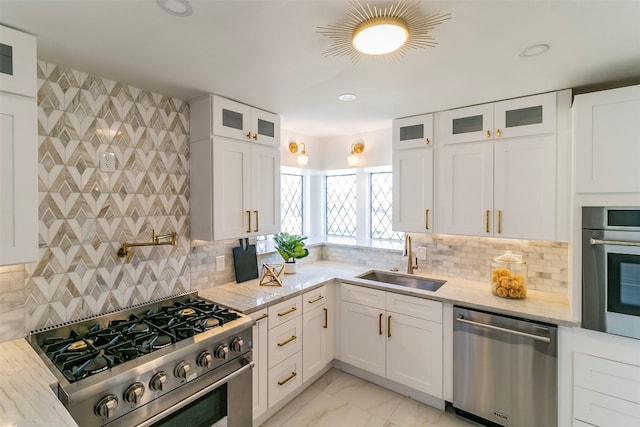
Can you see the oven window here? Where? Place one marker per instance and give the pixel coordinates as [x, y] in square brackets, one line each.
[623, 283]
[204, 412]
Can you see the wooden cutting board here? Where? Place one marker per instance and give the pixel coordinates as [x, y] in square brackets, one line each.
[245, 261]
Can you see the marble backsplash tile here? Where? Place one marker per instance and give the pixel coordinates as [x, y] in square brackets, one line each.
[85, 214]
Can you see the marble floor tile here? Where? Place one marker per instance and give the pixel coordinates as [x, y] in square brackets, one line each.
[341, 399]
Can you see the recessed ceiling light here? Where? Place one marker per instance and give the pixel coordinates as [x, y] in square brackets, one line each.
[176, 7]
[347, 97]
[535, 50]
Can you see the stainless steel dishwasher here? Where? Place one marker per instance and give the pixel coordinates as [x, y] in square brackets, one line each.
[504, 369]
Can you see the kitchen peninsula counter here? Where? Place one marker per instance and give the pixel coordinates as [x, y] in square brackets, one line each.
[249, 296]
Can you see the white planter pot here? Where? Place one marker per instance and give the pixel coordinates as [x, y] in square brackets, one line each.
[290, 267]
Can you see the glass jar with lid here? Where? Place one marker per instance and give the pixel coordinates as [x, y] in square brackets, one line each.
[509, 276]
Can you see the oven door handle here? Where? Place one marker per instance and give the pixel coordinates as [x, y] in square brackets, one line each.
[612, 242]
[197, 395]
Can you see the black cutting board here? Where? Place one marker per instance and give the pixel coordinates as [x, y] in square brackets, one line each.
[245, 261]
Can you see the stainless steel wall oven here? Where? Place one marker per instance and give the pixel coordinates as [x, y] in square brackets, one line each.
[611, 270]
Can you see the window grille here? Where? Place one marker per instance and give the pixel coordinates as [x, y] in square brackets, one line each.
[341, 205]
[291, 187]
[381, 207]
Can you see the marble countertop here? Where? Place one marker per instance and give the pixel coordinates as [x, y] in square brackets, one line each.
[26, 396]
[249, 296]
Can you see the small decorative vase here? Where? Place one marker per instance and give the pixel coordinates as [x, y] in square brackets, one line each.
[290, 267]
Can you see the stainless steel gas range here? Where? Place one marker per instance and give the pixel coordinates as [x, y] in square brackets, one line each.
[179, 361]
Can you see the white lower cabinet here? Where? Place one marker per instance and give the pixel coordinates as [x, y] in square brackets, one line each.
[260, 354]
[605, 392]
[285, 378]
[396, 336]
[317, 331]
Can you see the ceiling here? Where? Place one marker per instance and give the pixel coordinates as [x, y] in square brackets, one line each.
[267, 53]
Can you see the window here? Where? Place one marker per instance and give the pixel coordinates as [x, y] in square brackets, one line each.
[380, 208]
[341, 205]
[291, 203]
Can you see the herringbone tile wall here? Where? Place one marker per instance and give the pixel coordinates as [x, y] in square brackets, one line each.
[86, 214]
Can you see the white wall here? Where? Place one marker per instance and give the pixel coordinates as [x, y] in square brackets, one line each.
[330, 153]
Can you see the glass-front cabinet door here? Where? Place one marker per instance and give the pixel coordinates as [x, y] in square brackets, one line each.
[231, 119]
[532, 115]
[265, 127]
[413, 132]
[465, 124]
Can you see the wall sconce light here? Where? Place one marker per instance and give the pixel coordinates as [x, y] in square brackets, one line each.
[302, 158]
[356, 149]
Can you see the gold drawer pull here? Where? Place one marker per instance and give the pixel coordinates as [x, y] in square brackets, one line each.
[380, 324]
[487, 220]
[264, 316]
[498, 133]
[316, 299]
[499, 221]
[257, 222]
[289, 378]
[427, 141]
[488, 134]
[249, 135]
[426, 219]
[284, 313]
[389, 327]
[249, 229]
[287, 341]
[326, 318]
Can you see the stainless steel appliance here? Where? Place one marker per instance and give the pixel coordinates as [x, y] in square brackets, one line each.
[611, 270]
[178, 361]
[504, 369]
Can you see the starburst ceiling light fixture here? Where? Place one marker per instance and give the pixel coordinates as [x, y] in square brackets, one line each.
[377, 31]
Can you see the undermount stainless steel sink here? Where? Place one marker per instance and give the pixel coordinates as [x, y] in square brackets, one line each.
[406, 280]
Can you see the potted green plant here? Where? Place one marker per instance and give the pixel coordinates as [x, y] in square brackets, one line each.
[290, 247]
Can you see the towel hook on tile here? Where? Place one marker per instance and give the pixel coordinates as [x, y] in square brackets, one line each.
[156, 240]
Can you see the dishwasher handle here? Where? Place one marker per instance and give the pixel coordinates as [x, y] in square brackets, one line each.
[461, 319]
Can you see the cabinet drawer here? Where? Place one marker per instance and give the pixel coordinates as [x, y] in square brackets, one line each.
[284, 341]
[285, 378]
[415, 307]
[606, 376]
[285, 310]
[604, 411]
[314, 299]
[361, 295]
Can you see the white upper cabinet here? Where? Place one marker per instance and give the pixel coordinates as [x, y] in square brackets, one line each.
[530, 115]
[413, 132]
[606, 141]
[501, 179]
[214, 115]
[18, 63]
[18, 148]
[413, 190]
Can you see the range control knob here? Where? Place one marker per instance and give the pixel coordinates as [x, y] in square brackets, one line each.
[237, 344]
[222, 352]
[205, 359]
[106, 407]
[133, 393]
[158, 381]
[182, 370]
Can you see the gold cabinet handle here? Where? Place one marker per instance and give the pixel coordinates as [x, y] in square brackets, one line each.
[255, 136]
[284, 313]
[487, 220]
[488, 134]
[289, 378]
[427, 141]
[249, 214]
[264, 316]
[316, 299]
[380, 324]
[499, 221]
[498, 133]
[426, 219]
[257, 222]
[249, 135]
[326, 318]
[389, 327]
[287, 341]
